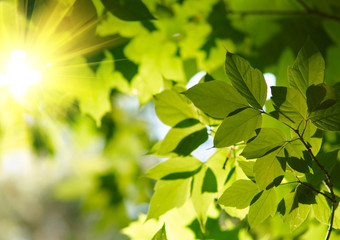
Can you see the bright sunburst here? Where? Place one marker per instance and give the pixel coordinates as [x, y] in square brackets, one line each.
[55, 31]
[19, 75]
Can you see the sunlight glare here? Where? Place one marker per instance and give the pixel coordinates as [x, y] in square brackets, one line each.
[19, 76]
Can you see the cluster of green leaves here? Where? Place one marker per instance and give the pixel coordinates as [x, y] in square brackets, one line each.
[283, 169]
[160, 44]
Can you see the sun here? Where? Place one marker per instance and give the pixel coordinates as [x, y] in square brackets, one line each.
[19, 75]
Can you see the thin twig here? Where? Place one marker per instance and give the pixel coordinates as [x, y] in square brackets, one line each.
[228, 156]
[330, 227]
[312, 188]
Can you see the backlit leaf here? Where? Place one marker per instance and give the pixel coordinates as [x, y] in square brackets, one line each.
[238, 127]
[269, 170]
[248, 81]
[188, 165]
[267, 141]
[168, 195]
[295, 213]
[183, 140]
[161, 234]
[262, 208]
[239, 194]
[308, 68]
[321, 209]
[291, 107]
[201, 199]
[172, 107]
[325, 108]
[216, 98]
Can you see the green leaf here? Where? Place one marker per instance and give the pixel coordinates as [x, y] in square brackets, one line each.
[267, 141]
[191, 142]
[305, 195]
[183, 141]
[168, 195]
[128, 10]
[201, 199]
[295, 213]
[247, 167]
[298, 164]
[173, 108]
[161, 234]
[182, 166]
[324, 104]
[328, 160]
[321, 209]
[209, 182]
[320, 97]
[248, 81]
[290, 106]
[239, 194]
[264, 206]
[216, 163]
[269, 170]
[216, 98]
[308, 68]
[238, 127]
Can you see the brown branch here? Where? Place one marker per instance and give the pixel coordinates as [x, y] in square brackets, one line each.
[314, 189]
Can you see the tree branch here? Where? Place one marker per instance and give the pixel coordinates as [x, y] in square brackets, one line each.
[328, 183]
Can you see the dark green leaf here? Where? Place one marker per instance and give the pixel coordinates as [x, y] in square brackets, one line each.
[238, 127]
[239, 194]
[161, 234]
[298, 164]
[183, 141]
[267, 141]
[248, 81]
[305, 195]
[216, 98]
[328, 161]
[308, 68]
[325, 107]
[128, 10]
[209, 182]
[191, 142]
[320, 97]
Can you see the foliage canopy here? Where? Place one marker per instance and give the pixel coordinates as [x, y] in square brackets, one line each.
[275, 161]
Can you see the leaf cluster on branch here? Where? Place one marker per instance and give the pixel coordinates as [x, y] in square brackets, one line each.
[283, 170]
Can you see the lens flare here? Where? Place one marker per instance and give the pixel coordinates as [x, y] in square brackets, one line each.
[19, 75]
